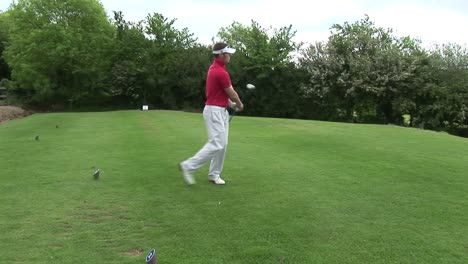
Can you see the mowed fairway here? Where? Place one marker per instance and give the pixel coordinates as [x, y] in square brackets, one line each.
[297, 192]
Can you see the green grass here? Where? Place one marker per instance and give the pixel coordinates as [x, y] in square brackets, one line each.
[297, 192]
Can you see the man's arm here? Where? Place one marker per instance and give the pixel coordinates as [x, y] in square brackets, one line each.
[234, 98]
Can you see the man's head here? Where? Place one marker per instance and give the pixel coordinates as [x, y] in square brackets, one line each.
[223, 51]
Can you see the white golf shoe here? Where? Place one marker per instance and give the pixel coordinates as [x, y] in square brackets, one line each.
[217, 181]
[188, 177]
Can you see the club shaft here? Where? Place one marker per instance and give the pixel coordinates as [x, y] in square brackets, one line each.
[232, 115]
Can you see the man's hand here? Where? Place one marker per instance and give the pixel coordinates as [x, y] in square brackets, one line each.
[233, 105]
[240, 107]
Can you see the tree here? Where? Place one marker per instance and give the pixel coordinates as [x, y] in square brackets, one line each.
[323, 68]
[58, 50]
[155, 63]
[449, 109]
[266, 60]
[358, 73]
[128, 70]
[4, 68]
[419, 87]
[165, 56]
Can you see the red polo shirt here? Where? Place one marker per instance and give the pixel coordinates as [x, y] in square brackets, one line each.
[217, 81]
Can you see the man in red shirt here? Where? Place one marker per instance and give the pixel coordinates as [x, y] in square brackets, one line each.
[219, 95]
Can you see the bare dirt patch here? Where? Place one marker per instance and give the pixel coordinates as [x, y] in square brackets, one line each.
[133, 252]
[8, 113]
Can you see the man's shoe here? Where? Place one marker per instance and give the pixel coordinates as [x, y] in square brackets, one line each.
[218, 181]
[188, 177]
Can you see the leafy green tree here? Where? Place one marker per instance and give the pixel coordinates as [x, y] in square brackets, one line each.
[449, 110]
[418, 88]
[190, 68]
[265, 60]
[4, 68]
[157, 64]
[58, 50]
[357, 75]
[128, 70]
[164, 58]
[321, 90]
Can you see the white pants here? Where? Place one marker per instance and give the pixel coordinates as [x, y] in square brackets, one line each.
[217, 124]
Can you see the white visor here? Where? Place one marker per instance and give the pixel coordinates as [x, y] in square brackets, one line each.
[227, 49]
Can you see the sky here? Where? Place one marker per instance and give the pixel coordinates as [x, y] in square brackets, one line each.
[431, 21]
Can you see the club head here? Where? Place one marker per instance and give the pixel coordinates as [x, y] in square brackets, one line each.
[151, 257]
[96, 174]
[250, 86]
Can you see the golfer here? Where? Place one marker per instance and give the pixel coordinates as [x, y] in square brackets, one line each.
[219, 95]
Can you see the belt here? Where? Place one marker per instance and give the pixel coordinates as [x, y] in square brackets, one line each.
[217, 106]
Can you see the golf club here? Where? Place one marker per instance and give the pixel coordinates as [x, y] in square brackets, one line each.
[249, 87]
[96, 173]
[151, 257]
